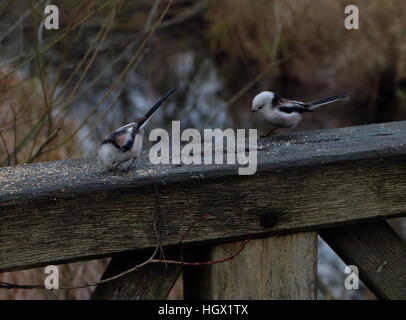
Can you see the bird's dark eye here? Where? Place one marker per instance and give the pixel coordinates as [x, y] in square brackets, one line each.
[259, 108]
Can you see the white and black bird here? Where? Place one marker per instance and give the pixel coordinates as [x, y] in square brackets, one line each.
[284, 113]
[125, 143]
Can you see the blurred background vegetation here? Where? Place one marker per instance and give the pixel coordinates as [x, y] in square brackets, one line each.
[62, 90]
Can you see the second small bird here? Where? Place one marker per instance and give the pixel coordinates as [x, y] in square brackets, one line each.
[125, 143]
[284, 113]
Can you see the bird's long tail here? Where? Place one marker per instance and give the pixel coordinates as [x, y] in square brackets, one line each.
[315, 104]
[149, 114]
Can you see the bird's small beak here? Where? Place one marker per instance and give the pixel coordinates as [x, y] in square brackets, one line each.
[253, 110]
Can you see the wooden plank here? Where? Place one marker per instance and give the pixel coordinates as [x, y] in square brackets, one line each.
[151, 282]
[305, 182]
[279, 267]
[377, 251]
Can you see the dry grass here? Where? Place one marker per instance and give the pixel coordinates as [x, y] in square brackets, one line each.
[21, 106]
[35, 122]
[310, 34]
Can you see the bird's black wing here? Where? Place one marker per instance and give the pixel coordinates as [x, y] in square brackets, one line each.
[122, 138]
[129, 139]
[289, 106]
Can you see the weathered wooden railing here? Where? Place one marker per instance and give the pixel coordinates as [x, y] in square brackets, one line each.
[340, 183]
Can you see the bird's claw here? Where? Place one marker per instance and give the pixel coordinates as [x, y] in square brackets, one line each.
[270, 133]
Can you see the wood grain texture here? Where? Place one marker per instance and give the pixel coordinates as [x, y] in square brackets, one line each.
[377, 251]
[278, 267]
[151, 282]
[70, 210]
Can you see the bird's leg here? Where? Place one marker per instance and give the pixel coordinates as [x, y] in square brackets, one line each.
[113, 170]
[110, 172]
[272, 132]
[269, 133]
[115, 167]
[132, 162]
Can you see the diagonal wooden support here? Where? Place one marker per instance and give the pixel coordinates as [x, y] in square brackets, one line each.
[279, 267]
[377, 251]
[152, 282]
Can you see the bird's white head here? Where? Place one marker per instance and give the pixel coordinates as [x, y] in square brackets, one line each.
[262, 101]
[107, 155]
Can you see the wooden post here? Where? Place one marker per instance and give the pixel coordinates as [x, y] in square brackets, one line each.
[278, 267]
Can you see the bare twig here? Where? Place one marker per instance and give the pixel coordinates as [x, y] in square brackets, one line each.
[206, 262]
[24, 16]
[5, 148]
[6, 8]
[196, 9]
[7, 285]
[192, 225]
[151, 15]
[41, 74]
[43, 145]
[159, 221]
[133, 62]
[14, 134]
[39, 125]
[57, 39]
[41, 25]
[100, 38]
[26, 139]
[24, 103]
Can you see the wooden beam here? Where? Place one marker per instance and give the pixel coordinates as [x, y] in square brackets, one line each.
[377, 251]
[151, 282]
[279, 267]
[71, 210]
